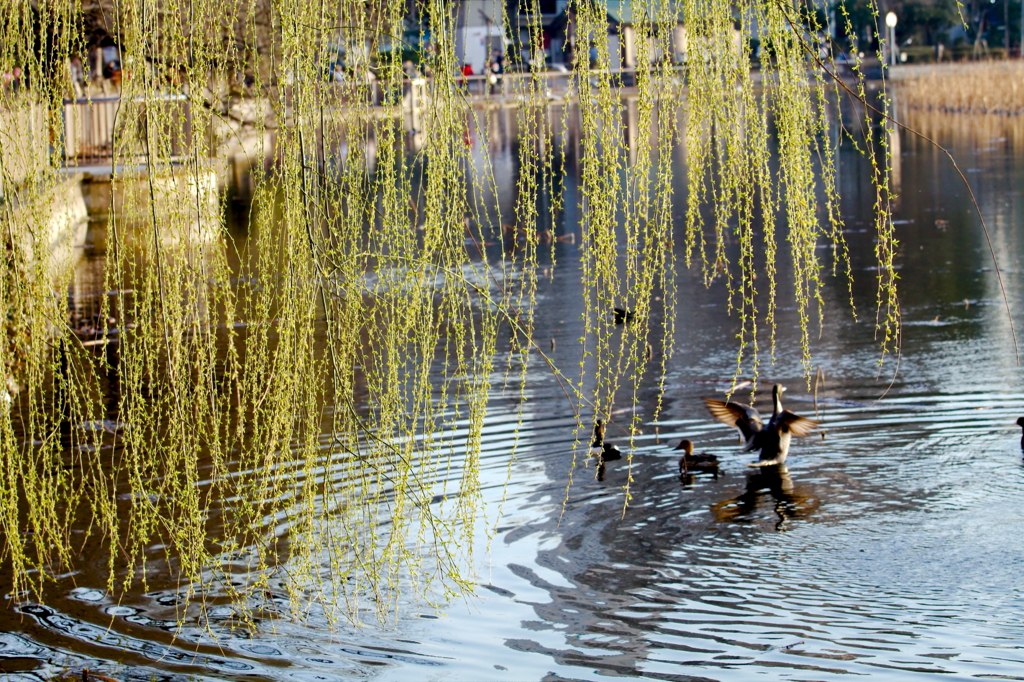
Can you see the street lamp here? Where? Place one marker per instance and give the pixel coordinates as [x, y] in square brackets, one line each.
[890, 21]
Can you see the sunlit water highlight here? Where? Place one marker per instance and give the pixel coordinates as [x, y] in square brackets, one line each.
[892, 547]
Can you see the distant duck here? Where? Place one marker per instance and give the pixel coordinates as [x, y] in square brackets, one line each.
[622, 316]
[545, 237]
[773, 438]
[695, 462]
[597, 444]
[1020, 423]
[604, 452]
[610, 453]
[599, 448]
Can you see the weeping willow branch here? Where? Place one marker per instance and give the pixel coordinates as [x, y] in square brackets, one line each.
[963, 178]
[304, 401]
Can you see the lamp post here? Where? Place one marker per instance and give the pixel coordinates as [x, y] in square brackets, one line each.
[1006, 29]
[890, 21]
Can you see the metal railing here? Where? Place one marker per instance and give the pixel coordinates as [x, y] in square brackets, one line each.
[89, 127]
[90, 123]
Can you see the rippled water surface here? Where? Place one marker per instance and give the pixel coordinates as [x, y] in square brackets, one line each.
[891, 547]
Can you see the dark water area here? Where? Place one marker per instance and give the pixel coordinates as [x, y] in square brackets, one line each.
[892, 547]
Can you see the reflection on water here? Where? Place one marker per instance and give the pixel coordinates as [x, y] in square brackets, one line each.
[773, 487]
[901, 553]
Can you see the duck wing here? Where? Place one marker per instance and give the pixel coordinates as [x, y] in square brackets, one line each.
[795, 424]
[743, 417]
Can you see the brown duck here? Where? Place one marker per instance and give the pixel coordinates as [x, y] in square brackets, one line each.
[702, 461]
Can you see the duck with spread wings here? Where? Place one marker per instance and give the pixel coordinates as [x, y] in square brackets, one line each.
[773, 438]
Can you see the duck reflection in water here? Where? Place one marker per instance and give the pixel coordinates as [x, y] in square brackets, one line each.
[789, 500]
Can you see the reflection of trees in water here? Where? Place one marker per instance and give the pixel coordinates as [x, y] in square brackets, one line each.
[772, 485]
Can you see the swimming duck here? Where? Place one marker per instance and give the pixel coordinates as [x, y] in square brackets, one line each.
[604, 452]
[598, 448]
[1020, 423]
[622, 316]
[695, 462]
[596, 445]
[545, 237]
[773, 438]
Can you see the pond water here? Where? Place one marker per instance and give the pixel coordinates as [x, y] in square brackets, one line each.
[891, 547]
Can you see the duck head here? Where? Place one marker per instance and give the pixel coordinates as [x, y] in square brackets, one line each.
[686, 445]
[1020, 422]
[777, 391]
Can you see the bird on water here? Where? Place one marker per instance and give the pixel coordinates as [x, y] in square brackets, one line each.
[690, 461]
[622, 316]
[773, 438]
[599, 448]
[604, 452]
[1020, 423]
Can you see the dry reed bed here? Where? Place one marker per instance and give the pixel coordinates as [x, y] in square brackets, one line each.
[973, 88]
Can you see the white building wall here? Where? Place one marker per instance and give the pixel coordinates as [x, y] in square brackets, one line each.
[478, 22]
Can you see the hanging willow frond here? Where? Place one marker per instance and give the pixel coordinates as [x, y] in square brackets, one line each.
[302, 400]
